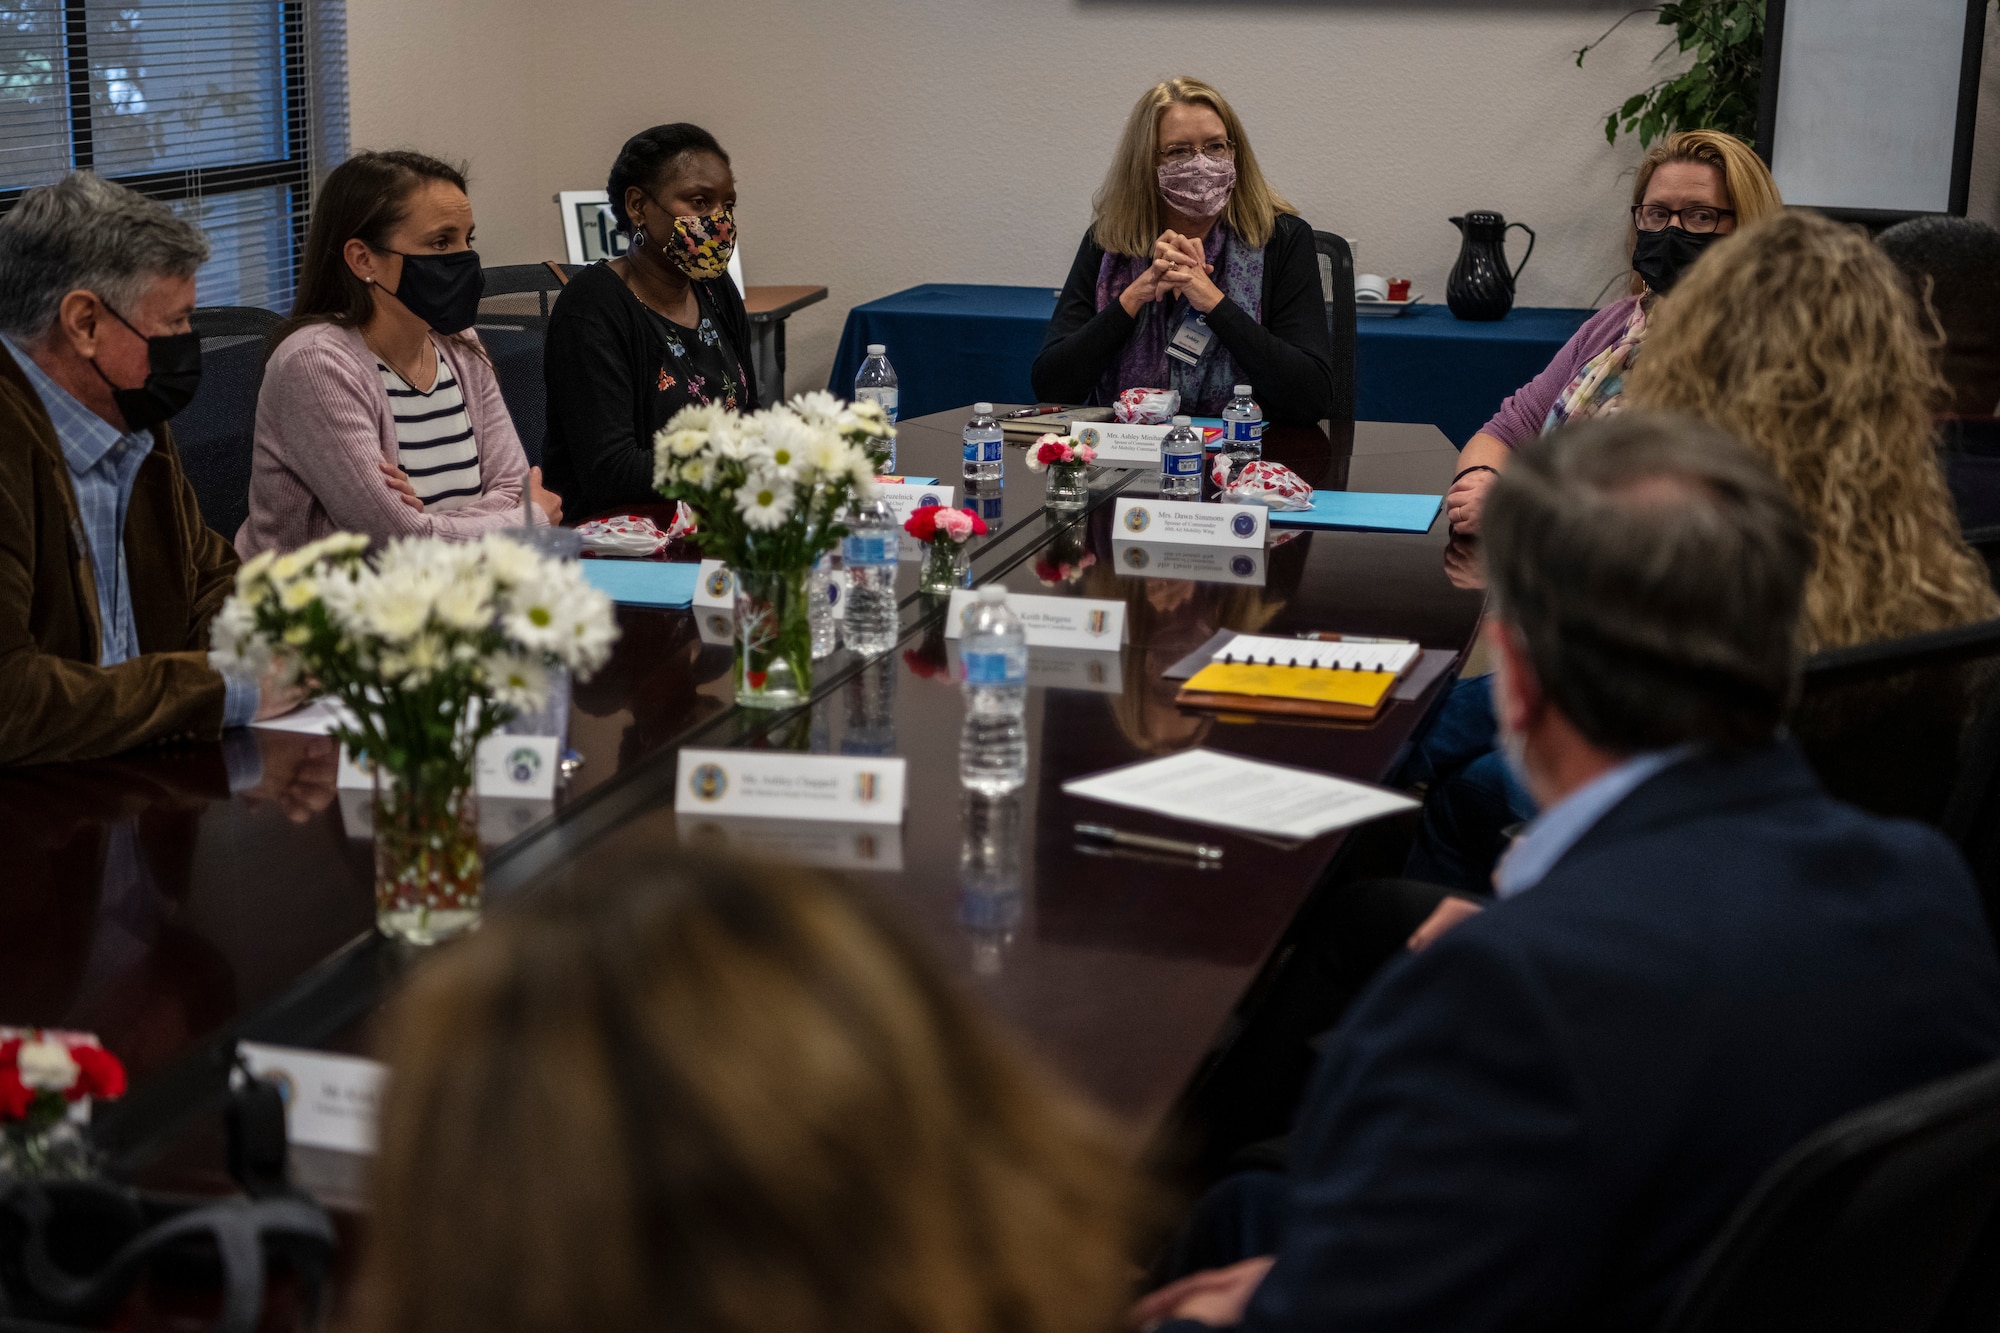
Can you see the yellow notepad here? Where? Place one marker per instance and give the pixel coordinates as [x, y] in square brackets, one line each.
[1355, 689]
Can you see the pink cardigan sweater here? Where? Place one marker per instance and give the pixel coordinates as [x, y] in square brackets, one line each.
[324, 422]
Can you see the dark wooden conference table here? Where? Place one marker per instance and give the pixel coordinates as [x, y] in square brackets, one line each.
[142, 899]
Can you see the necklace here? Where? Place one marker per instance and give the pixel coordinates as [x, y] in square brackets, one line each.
[390, 362]
[633, 287]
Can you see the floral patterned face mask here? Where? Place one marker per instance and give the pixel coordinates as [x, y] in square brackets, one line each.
[702, 245]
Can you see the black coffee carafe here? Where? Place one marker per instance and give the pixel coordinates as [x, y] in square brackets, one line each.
[1481, 286]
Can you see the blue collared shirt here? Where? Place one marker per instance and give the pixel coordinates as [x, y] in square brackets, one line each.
[1557, 829]
[103, 467]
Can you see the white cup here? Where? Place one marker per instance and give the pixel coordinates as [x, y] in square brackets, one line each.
[1370, 287]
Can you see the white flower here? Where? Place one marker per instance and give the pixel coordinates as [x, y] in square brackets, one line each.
[868, 416]
[705, 418]
[46, 1065]
[818, 407]
[698, 472]
[466, 602]
[787, 441]
[517, 681]
[765, 500]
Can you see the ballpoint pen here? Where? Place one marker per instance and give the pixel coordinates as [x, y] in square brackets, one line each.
[1120, 838]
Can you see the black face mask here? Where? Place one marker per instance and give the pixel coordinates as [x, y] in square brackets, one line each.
[443, 290]
[1660, 257]
[173, 373]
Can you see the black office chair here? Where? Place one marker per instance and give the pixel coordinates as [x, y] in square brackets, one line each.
[1336, 281]
[1972, 814]
[1886, 1221]
[1884, 723]
[519, 279]
[517, 365]
[217, 431]
[234, 321]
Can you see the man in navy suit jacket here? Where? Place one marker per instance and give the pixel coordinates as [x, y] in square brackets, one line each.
[1699, 958]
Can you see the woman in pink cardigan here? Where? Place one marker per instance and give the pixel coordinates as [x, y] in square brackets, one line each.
[379, 411]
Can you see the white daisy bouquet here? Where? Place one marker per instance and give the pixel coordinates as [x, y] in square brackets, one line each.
[769, 491]
[430, 647]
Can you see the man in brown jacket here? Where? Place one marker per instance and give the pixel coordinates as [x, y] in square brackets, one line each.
[108, 575]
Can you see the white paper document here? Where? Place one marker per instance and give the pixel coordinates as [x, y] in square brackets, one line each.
[1209, 787]
[1393, 656]
[317, 718]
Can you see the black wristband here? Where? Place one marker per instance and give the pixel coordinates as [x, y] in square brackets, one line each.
[1476, 467]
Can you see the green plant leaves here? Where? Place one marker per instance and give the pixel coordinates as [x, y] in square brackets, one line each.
[1718, 92]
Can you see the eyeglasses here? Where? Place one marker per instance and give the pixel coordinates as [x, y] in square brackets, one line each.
[1700, 220]
[1220, 149]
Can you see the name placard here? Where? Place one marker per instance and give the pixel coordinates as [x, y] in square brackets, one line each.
[1189, 523]
[905, 498]
[331, 1101]
[1120, 445]
[715, 586]
[522, 767]
[716, 626]
[791, 786]
[1203, 564]
[1051, 622]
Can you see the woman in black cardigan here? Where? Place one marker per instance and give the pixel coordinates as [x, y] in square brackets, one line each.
[634, 340]
[1195, 275]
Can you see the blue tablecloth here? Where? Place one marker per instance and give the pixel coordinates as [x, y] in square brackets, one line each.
[957, 343]
[1429, 365]
[951, 343]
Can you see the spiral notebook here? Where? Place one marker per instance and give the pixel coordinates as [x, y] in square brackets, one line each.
[1302, 677]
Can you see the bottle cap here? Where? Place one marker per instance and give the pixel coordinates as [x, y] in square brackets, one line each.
[1183, 421]
[1242, 390]
[992, 592]
[881, 349]
[982, 409]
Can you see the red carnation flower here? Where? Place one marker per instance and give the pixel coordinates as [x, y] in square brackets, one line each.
[923, 524]
[16, 1097]
[99, 1074]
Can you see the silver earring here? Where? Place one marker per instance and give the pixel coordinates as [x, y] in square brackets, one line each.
[638, 238]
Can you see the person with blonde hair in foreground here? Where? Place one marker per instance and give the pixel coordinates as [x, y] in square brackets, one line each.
[1195, 275]
[717, 1098]
[1802, 341]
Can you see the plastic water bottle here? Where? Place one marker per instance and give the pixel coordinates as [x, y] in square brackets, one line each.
[822, 591]
[993, 748]
[869, 552]
[870, 726]
[876, 381]
[1180, 462]
[1243, 424]
[983, 446]
[989, 878]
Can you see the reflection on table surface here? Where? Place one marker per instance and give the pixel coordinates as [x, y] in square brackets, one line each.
[175, 900]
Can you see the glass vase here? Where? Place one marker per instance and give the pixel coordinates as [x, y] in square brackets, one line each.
[947, 565]
[1067, 490]
[773, 638]
[46, 1152]
[429, 872]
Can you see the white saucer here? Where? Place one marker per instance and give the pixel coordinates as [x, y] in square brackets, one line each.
[1385, 309]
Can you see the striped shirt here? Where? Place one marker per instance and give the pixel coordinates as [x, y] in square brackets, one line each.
[434, 443]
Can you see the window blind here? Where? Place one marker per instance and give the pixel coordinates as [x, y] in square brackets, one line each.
[207, 105]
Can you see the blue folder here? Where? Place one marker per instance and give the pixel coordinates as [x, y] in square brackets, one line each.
[643, 582]
[1368, 511]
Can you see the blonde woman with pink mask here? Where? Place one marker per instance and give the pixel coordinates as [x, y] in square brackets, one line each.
[1195, 276]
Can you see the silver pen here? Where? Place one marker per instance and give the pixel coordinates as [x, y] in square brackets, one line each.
[1201, 851]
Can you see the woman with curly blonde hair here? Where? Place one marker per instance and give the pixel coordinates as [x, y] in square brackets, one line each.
[1800, 339]
[692, 1095]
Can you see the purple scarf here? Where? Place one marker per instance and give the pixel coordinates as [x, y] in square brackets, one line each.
[1207, 386]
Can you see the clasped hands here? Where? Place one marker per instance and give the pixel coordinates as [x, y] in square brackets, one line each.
[1179, 268]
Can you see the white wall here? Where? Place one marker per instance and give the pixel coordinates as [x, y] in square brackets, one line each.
[894, 142]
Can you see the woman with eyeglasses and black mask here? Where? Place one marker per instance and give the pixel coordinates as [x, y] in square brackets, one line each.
[635, 339]
[1195, 276]
[379, 412]
[1694, 187]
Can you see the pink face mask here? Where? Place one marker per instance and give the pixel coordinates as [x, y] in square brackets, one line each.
[1198, 186]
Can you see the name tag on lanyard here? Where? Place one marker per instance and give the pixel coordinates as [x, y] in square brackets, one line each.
[1191, 338]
